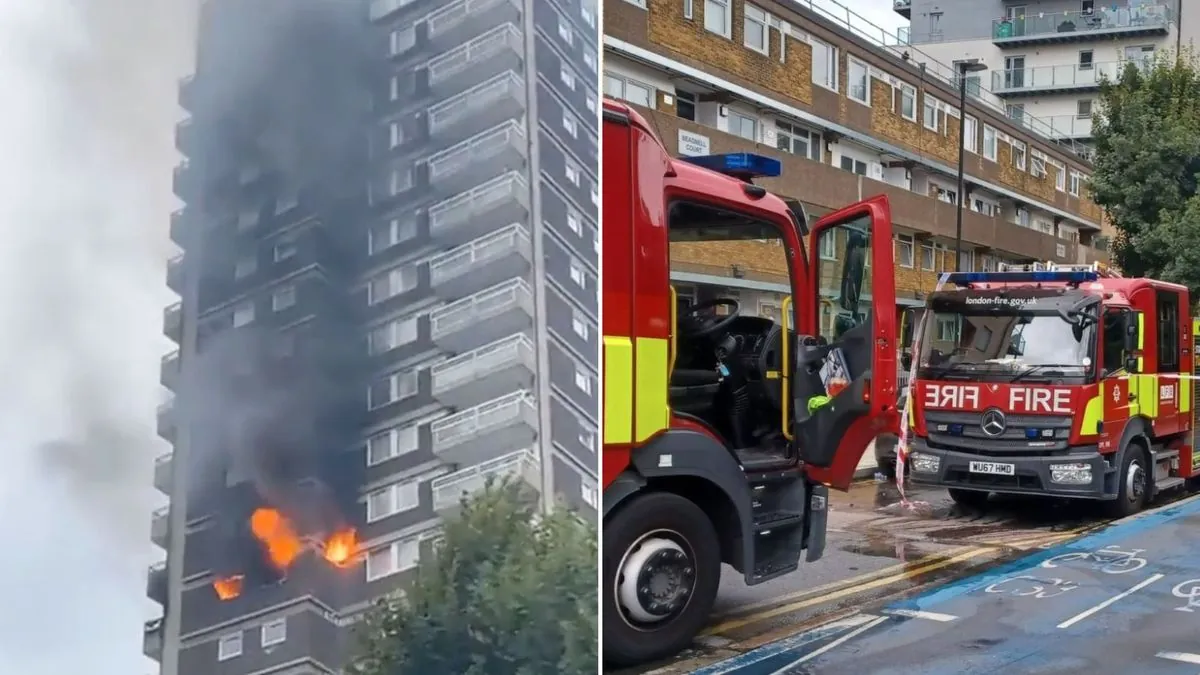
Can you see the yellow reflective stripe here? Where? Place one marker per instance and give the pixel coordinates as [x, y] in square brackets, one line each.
[1093, 414]
[1183, 393]
[1141, 341]
[1145, 390]
[618, 390]
[653, 363]
[1195, 327]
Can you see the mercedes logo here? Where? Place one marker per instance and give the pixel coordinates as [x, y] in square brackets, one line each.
[993, 423]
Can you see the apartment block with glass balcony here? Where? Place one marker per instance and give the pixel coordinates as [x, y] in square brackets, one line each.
[1046, 58]
[848, 121]
[367, 332]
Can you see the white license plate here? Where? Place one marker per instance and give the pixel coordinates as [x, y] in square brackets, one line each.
[994, 468]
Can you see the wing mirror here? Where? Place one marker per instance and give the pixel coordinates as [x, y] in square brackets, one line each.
[1129, 320]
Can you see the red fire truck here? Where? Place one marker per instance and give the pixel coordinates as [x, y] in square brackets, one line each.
[724, 431]
[1067, 381]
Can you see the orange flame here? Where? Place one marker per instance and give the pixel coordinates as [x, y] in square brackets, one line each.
[228, 588]
[341, 548]
[274, 531]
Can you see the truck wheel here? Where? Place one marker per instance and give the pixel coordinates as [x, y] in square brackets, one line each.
[1134, 484]
[662, 566]
[974, 499]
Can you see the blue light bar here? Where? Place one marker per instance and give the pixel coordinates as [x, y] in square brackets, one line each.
[743, 165]
[1062, 276]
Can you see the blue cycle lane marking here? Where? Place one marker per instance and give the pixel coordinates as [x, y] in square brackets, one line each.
[1033, 613]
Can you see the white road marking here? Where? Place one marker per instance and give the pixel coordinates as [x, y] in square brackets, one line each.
[1086, 613]
[1182, 657]
[918, 614]
[832, 645]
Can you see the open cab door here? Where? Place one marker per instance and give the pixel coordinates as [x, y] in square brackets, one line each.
[843, 381]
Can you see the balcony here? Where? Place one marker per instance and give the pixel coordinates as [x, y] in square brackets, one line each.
[169, 370]
[177, 228]
[175, 274]
[1053, 79]
[485, 373]
[173, 322]
[474, 213]
[497, 100]
[486, 431]
[187, 92]
[1064, 127]
[449, 490]
[162, 473]
[488, 315]
[460, 21]
[159, 526]
[166, 421]
[497, 50]
[156, 582]
[183, 182]
[1067, 27]
[152, 639]
[185, 137]
[488, 260]
[903, 8]
[485, 155]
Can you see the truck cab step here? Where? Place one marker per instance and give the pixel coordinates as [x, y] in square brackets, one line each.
[760, 459]
[1168, 483]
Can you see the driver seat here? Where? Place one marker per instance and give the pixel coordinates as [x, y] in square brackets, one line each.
[692, 390]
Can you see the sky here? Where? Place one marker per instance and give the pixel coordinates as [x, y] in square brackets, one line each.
[87, 139]
[86, 150]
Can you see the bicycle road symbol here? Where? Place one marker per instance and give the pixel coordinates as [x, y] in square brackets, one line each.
[1110, 560]
[1025, 586]
[1190, 591]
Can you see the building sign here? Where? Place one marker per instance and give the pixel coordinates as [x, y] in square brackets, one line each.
[692, 145]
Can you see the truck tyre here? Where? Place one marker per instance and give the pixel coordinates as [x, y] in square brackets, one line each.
[662, 566]
[974, 499]
[1133, 487]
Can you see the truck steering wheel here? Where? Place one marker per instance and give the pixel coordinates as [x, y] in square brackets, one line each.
[700, 320]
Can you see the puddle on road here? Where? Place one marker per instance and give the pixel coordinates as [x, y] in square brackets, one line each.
[880, 546]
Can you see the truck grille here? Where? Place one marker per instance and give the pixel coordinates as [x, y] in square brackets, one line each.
[1012, 441]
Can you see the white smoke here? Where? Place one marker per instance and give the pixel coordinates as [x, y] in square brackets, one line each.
[87, 111]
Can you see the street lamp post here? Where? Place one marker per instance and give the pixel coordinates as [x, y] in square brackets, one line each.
[963, 67]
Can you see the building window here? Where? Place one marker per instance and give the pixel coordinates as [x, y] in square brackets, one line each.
[828, 250]
[395, 135]
[578, 275]
[718, 15]
[986, 208]
[572, 172]
[274, 632]
[245, 267]
[569, 124]
[393, 558]
[987, 263]
[589, 59]
[853, 165]
[628, 90]
[403, 39]
[930, 118]
[565, 32]
[247, 218]
[591, 101]
[741, 125]
[688, 9]
[1083, 108]
[229, 646]
[858, 81]
[391, 444]
[1037, 165]
[583, 381]
[243, 314]
[1018, 155]
[798, 141]
[755, 34]
[574, 221]
[401, 180]
[825, 64]
[579, 324]
[927, 257]
[1073, 187]
[567, 77]
[971, 134]
[283, 298]
[392, 388]
[391, 283]
[284, 248]
[286, 200]
[1085, 59]
[386, 235]
[392, 334]
[989, 142]
[1060, 177]
[944, 195]
[393, 499]
[904, 250]
[907, 103]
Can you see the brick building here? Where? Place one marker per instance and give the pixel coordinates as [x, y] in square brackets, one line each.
[849, 119]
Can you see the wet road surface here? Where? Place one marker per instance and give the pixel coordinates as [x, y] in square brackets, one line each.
[877, 551]
[1122, 599]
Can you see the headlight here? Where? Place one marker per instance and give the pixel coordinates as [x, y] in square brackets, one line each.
[923, 463]
[1071, 474]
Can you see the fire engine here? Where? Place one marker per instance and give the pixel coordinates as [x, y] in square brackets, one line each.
[723, 432]
[1055, 380]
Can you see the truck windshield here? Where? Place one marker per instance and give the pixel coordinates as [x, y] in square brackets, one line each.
[1001, 338]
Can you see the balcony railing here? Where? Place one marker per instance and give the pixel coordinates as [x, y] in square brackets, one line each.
[483, 418]
[459, 261]
[475, 100]
[478, 148]
[451, 15]
[481, 306]
[479, 362]
[448, 490]
[1069, 126]
[1072, 76]
[1146, 17]
[476, 201]
[473, 53]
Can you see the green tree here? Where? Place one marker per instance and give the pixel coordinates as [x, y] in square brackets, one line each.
[1147, 138]
[509, 592]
